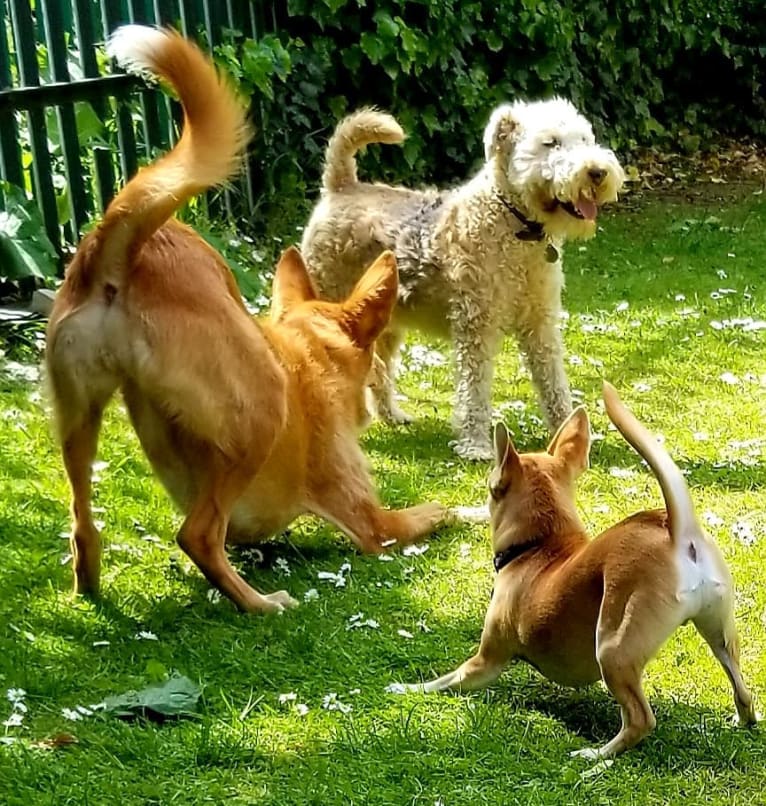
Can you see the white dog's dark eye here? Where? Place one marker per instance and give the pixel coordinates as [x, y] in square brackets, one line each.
[554, 142]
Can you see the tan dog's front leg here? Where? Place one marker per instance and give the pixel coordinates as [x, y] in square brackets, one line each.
[357, 512]
[202, 536]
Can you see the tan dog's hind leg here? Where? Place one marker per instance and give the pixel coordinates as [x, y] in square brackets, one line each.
[717, 627]
[203, 534]
[78, 445]
[80, 389]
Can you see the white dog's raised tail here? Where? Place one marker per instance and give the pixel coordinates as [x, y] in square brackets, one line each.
[354, 132]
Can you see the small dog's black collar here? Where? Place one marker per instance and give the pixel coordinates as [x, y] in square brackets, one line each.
[503, 558]
[533, 230]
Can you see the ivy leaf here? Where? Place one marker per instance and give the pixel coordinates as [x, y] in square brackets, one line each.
[176, 697]
[25, 250]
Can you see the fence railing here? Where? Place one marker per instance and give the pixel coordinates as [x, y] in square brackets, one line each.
[70, 130]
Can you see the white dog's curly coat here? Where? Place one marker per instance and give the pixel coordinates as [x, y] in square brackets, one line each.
[476, 261]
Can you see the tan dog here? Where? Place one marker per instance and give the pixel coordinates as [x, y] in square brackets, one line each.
[578, 609]
[246, 424]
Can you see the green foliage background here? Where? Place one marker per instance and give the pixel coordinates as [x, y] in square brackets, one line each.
[645, 71]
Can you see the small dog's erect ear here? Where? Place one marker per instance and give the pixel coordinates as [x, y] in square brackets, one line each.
[292, 283]
[572, 441]
[368, 308]
[507, 463]
[501, 132]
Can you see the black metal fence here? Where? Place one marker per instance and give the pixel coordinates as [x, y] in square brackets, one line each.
[71, 131]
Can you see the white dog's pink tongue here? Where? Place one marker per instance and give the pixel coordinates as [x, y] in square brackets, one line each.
[586, 208]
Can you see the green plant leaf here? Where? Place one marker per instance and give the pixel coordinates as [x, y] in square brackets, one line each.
[177, 696]
[25, 250]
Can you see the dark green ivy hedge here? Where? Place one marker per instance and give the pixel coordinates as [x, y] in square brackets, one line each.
[665, 72]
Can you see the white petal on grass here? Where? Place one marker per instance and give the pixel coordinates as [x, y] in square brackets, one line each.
[71, 714]
[729, 378]
[622, 306]
[301, 708]
[358, 621]
[680, 297]
[395, 688]
[414, 551]
[310, 595]
[700, 436]
[145, 635]
[283, 566]
[642, 387]
[16, 695]
[101, 643]
[214, 596]
[385, 558]
[622, 472]
[290, 696]
[743, 531]
[711, 519]
[404, 633]
[15, 720]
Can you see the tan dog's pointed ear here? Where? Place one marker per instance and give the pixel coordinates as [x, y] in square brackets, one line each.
[292, 283]
[501, 132]
[368, 308]
[571, 443]
[507, 463]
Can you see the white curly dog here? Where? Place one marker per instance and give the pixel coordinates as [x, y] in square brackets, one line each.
[475, 262]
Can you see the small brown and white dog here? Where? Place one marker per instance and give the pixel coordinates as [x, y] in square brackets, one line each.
[475, 262]
[247, 424]
[580, 610]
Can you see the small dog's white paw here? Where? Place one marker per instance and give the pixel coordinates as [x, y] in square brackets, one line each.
[403, 688]
[588, 753]
[475, 450]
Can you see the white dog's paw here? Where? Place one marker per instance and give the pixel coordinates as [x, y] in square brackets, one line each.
[396, 416]
[280, 601]
[475, 450]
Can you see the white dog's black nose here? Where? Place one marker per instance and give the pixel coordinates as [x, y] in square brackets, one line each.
[597, 175]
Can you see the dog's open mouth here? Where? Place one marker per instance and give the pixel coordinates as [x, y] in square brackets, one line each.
[584, 209]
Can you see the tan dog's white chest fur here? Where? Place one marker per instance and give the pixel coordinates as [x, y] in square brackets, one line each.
[581, 610]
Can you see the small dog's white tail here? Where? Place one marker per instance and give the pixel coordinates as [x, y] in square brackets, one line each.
[678, 502]
[352, 133]
[210, 150]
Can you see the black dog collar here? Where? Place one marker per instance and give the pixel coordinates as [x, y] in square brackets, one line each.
[503, 558]
[533, 230]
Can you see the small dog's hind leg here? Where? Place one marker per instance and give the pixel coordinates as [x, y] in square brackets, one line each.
[716, 626]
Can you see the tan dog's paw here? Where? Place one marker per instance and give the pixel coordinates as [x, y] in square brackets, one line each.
[279, 601]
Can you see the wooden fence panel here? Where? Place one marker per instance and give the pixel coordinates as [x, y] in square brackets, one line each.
[50, 71]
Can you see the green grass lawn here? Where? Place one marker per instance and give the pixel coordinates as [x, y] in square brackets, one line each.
[666, 303]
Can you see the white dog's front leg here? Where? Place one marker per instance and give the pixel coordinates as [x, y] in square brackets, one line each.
[475, 345]
[541, 344]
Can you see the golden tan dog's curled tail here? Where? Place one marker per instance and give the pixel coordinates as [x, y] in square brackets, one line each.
[215, 135]
[352, 133]
[678, 502]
